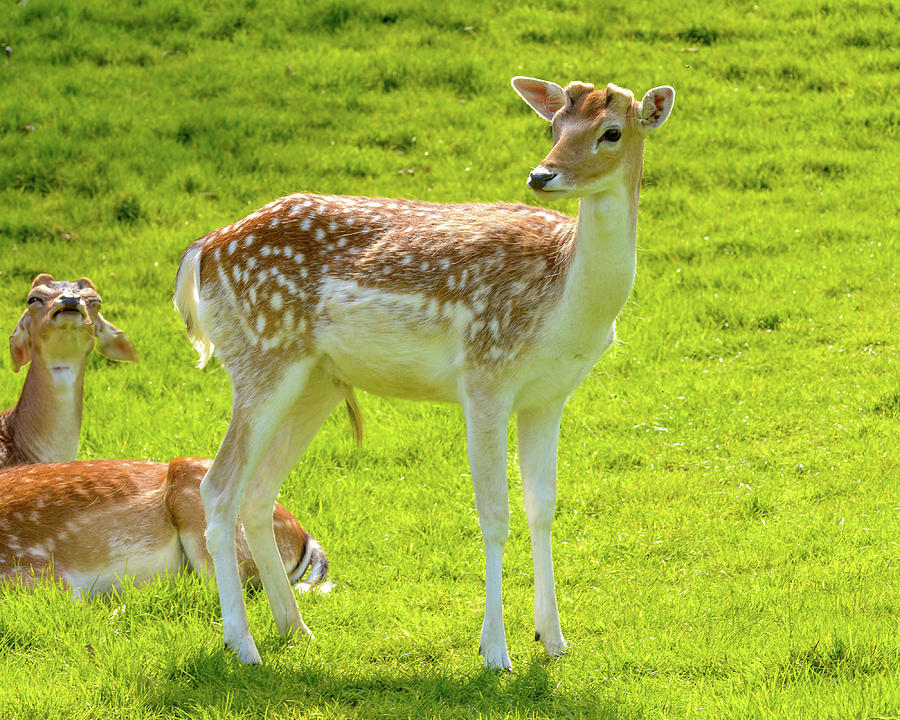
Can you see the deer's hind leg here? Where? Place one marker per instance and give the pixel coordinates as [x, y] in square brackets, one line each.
[260, 407]
[319, 397]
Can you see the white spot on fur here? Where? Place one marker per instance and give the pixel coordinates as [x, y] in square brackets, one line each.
[232, 246]
[275, 301]
[265, 251]
[260, 323]
[306, 224]
[320, 234]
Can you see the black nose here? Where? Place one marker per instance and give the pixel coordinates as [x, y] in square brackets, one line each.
[536, 181]
[68, 302]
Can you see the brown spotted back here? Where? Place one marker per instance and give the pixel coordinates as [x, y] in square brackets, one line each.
[495, 264]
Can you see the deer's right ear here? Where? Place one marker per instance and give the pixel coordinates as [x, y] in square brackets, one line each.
[20, 343]
[544, 97]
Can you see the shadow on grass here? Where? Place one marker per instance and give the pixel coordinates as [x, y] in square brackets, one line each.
[213, 684]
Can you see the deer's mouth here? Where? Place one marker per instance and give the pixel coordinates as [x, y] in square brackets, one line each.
[67, 312]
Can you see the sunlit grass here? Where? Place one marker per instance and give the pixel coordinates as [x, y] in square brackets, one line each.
[726, 534]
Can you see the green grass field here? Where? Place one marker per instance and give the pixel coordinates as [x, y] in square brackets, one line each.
[726, 540]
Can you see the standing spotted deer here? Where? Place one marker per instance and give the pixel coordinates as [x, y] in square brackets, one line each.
[55, 333]
[501, 308]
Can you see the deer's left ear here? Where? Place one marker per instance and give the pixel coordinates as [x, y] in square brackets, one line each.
[655, 108]
[113, 343]
[20, 343]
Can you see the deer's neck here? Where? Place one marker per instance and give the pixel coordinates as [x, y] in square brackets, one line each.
[603, 265]
[46, 422]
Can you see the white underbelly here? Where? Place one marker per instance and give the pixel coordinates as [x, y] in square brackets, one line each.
[395, 345]
[138, 561]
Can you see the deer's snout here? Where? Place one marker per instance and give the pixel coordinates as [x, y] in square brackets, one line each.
[68, 303]
[539, 178]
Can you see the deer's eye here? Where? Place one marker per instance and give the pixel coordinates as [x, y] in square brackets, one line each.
[611, 135]
[35, 299]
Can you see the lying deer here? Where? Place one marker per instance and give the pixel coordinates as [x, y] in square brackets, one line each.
[93, 523]
[98, 520]
[501, 308]
[55, 334]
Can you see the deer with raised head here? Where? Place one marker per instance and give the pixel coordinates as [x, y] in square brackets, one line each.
[93, 523]
[55, 333]
[500, 308]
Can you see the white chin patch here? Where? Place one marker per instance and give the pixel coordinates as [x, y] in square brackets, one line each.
[63, 375]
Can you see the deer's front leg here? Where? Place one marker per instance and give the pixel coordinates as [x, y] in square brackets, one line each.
[538, 431]
[486, 433]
